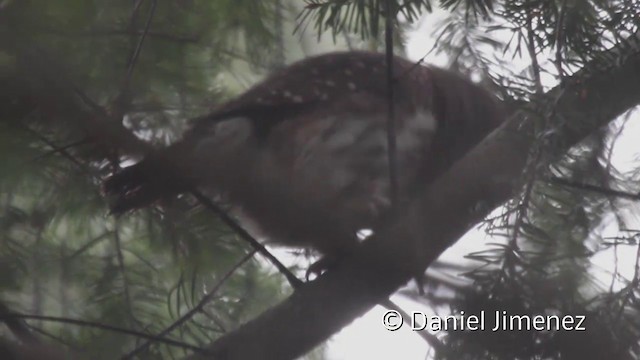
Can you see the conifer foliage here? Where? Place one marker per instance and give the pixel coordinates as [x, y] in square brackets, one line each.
[87, 87]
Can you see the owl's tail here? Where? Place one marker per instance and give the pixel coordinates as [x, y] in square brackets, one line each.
[156, 177]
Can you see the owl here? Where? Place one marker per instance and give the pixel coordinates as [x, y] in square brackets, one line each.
[304, 153]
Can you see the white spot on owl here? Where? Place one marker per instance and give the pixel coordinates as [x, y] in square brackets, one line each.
[297, 99]
[348, 72]
[351, 86]
[363, 234]
[330, 83]
[287, 94]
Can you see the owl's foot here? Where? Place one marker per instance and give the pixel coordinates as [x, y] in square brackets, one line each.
[325, 263]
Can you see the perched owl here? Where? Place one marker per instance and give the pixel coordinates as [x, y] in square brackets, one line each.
[304, 152]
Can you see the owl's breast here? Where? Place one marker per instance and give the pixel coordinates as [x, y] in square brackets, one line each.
[321, 179]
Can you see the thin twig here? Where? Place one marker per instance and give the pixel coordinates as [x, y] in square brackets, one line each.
[13, 316]
[87, 246]
[62, 148]
[53, 337]
[122, 269]
[205, 300]
[122, 101]
[632, 287]
[18, 327]
[391, 125]
[559, 40]
[59, 150]
[229, 221]
[595, 188]
[531, 47]
[136, 52]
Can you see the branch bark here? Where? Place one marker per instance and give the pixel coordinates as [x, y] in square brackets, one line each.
[436, 219]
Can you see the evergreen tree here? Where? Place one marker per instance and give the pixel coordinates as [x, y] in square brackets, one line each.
[87, 87]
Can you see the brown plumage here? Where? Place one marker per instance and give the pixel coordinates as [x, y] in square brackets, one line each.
[304, 152]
